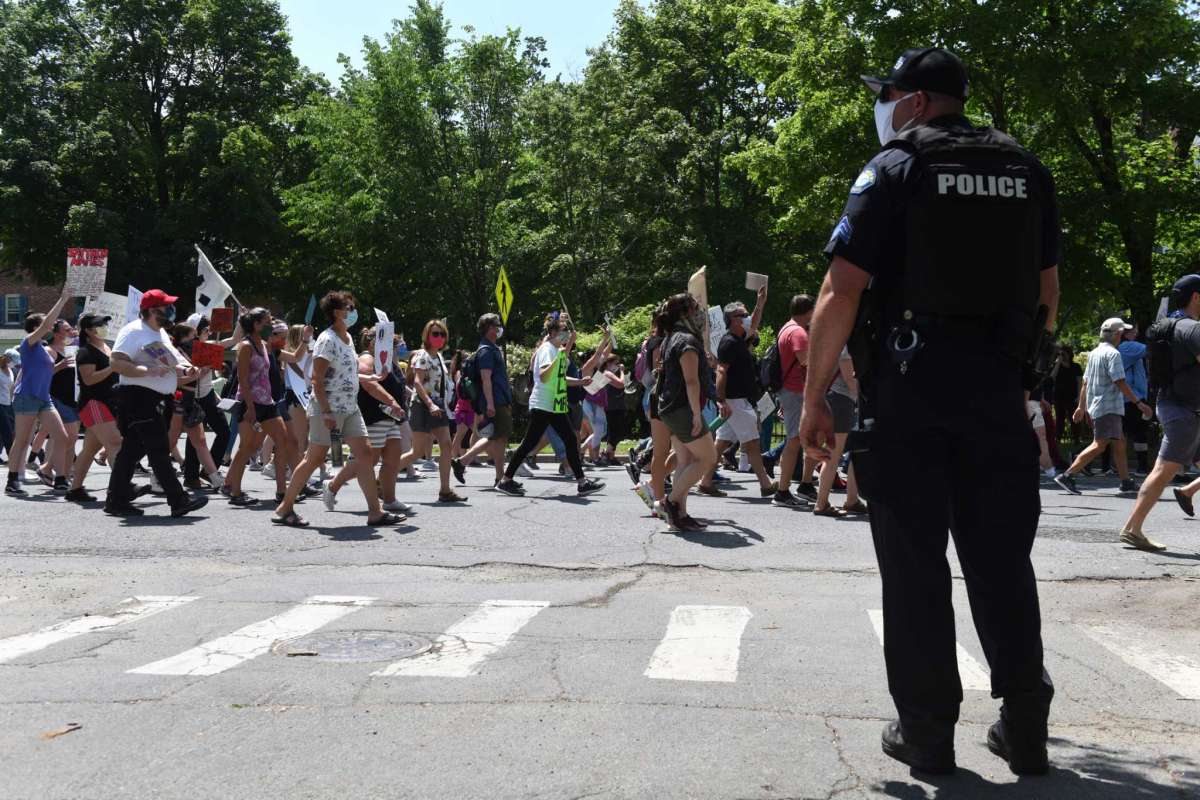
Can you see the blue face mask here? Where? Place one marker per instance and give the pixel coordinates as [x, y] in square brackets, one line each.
[401, 349]
[352, 318]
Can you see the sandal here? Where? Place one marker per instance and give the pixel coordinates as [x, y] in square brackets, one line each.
[857, 507]
[830, 511]
[242, 500]
[290, 519]
[450, 497]
[387, 519]
[299, 498]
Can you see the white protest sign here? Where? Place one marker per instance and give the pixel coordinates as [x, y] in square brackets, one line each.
[598, 382]
[211, 289]
[385, 332]
[382, 317]
[133, 304]
[755, 281]
[716, 327]
[108, 304]
[86, 270]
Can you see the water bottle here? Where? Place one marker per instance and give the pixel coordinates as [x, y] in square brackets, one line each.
[335, 441]
[716, 424]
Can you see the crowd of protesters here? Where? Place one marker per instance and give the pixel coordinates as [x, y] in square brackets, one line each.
[286, 405]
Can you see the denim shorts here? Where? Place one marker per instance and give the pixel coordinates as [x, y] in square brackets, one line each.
[68, 413]
[27, 404]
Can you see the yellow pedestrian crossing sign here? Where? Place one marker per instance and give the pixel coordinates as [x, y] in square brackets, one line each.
[504, 295]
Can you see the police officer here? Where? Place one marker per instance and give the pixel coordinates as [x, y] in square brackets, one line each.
[945, 254]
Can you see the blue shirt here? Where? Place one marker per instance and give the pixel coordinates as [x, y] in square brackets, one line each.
[1133, 358]
[37, 368]
[491, 358]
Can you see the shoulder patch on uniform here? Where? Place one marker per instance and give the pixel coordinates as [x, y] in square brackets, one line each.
[866, 179]
[843, 231]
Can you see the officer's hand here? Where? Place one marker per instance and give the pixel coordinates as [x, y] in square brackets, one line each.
[816, 429]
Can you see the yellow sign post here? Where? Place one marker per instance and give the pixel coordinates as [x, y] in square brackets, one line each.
[504, 295]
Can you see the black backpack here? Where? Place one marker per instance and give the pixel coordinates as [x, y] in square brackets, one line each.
[770, 369]
[1162, 363]
[470, 383]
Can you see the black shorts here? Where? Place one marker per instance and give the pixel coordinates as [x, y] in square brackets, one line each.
[262, 413]
[291, 399]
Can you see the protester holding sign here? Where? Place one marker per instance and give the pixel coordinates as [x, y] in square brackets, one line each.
[429, 416]
[31, 399]
[62, 394]
[187, 413]
[147, 383]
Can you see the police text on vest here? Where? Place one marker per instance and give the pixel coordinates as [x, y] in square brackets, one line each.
[982, 185]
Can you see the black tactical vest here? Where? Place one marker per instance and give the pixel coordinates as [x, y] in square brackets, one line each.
[973, 225]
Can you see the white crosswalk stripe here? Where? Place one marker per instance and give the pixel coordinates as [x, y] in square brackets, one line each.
[1136, 648]
[253, 640]
[131, 609]
[702, 643]
[973, 675]
[462, 649]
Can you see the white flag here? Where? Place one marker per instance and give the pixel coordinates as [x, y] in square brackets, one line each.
[211, 289]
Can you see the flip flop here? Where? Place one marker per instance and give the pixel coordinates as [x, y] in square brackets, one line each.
[290, 519]
[387, 519]
[1185, 503]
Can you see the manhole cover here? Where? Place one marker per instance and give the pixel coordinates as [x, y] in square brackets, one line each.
[354, 646]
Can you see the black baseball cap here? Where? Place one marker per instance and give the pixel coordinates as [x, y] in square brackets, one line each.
[88, 321]
[1183, 288]
[929, 69]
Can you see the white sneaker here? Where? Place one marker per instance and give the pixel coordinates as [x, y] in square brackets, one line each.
[524, 471]
[1050, 472]
[743, 462]
[396, 505]
[428, 465]
[328, 497]
[269, 470]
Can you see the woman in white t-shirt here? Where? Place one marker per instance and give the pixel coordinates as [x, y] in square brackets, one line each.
[548, 407]
[8, 420]
[333, 405]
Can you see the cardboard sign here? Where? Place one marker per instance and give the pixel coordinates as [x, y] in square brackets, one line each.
[385, 332]
[221, 320]
[716, 327]
[133, 304]
[697, 287]
[160, 353]
[765, 407]
[381, 316]
[755, 281]
[86, 269]
[598, 382]
[108, 304]
[207, 354]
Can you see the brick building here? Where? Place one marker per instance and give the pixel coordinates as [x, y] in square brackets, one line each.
[20, 295]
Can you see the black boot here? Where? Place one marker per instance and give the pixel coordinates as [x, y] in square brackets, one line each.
[935, 760]
[1025, 755]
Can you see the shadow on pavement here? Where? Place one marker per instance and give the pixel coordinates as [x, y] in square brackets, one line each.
[1096, 774]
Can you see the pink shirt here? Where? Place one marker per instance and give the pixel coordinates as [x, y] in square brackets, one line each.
[793, 342]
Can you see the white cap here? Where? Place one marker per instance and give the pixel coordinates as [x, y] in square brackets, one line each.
[194, 319]
[1114, 324]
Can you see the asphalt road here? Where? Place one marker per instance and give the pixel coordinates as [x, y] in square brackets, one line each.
[551, 647]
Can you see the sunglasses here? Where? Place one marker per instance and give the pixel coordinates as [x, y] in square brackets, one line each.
[437, 335]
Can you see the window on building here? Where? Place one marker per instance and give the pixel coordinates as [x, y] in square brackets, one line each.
[14, 305]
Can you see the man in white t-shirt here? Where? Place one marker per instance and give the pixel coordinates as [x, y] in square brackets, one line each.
[149, 367]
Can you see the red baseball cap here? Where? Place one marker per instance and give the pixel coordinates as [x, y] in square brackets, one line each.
[156, 298]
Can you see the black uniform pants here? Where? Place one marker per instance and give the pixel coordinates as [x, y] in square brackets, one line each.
[144, 433]
[943, 463]
[217, 423]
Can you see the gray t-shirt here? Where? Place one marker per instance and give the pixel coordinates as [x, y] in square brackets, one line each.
[1185, 347]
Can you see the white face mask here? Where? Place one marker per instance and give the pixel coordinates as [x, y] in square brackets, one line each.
[883, 119]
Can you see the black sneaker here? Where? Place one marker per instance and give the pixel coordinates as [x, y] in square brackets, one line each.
[589, 486]
[531, 462]
[138, 469]
[1067, 483]
[79, 495]
[123, 511]
[510, 487]
[1027, 758]
[674, 518]
[1185, 503]
[769, 465]
[141, 490]
[1128, 485]
[460, 472]
[14, 488]
[789, 500]
[807, 491]
[60, 485]
[634, 473]
[933, 760]
[193, 503]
